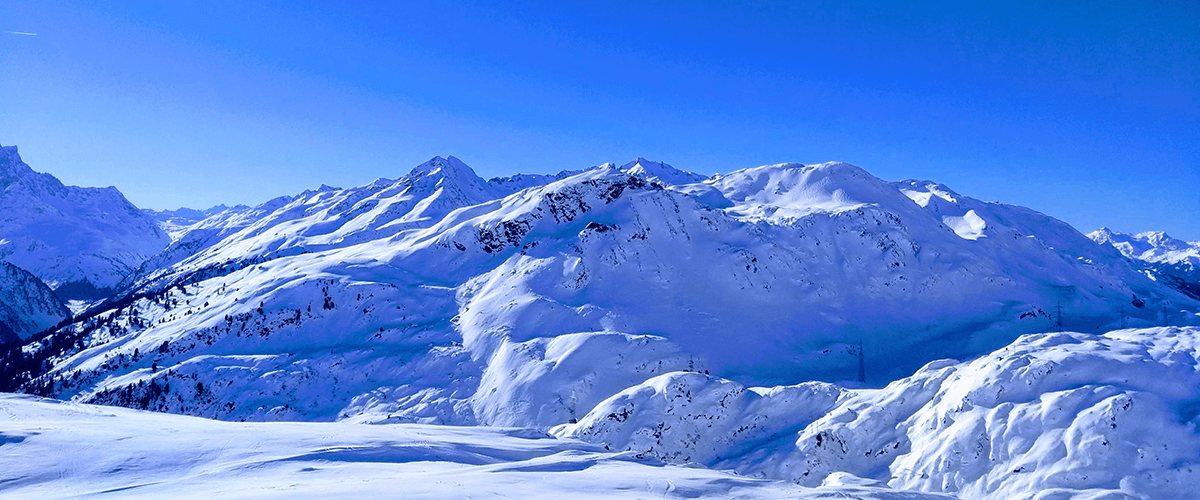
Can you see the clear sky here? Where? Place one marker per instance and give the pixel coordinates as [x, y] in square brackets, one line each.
[1088, 111]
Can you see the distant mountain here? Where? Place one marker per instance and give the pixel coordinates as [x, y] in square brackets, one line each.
[81, 242]
[1175, 261]
[27, 306]
[176, 222]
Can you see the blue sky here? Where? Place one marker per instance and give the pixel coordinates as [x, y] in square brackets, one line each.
[1088, 111]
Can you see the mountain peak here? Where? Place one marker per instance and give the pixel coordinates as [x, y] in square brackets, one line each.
[659, 171]
[447, 167]
[10, 162]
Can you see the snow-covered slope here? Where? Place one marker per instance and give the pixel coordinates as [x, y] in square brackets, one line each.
[178, 221]
[1057, 415]
[58, 450]
[1175, 260]
[431, 299]
[27, 306]
[80, 241]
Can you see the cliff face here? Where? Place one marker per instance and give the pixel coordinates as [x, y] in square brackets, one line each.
[27, 306]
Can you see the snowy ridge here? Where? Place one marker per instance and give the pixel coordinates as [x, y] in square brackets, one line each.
[1151, 246]
[80, 241]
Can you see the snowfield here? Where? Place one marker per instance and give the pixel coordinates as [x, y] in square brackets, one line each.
[52, 449]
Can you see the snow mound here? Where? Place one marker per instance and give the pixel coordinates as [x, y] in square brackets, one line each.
[968, 227]
[1070, 415]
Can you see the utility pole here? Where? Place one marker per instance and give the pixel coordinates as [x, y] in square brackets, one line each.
[862, 364]
[1123, 322]
[1164, 315]
[1058, 316]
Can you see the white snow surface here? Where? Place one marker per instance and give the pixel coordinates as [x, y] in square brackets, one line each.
[63, 450]
[66, 234]
[1056, 415]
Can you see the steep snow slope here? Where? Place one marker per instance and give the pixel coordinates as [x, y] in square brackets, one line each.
[57, 450]
[326, 218]
[27, 306]
[76, 240]
[1057, 415]
[1175, 260]
[413, 300]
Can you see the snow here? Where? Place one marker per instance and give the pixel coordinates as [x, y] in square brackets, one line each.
[968, 227]
[1069, 415]
[706, 322]
[1175, 262]
[122, 453]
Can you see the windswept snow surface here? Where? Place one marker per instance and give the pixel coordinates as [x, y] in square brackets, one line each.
[76, 240]
[62, 450]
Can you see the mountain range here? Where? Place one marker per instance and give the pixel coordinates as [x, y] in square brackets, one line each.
[1173, 261]
[803, 312]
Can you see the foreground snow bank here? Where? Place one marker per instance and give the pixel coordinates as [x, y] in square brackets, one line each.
[52, 449]
[1056, 415]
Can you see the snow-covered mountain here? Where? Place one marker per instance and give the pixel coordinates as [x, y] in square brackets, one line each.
[80, 241]
[1176, 261]
[437, 298]
[27, 306]
[634, 306]
[178, 221]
